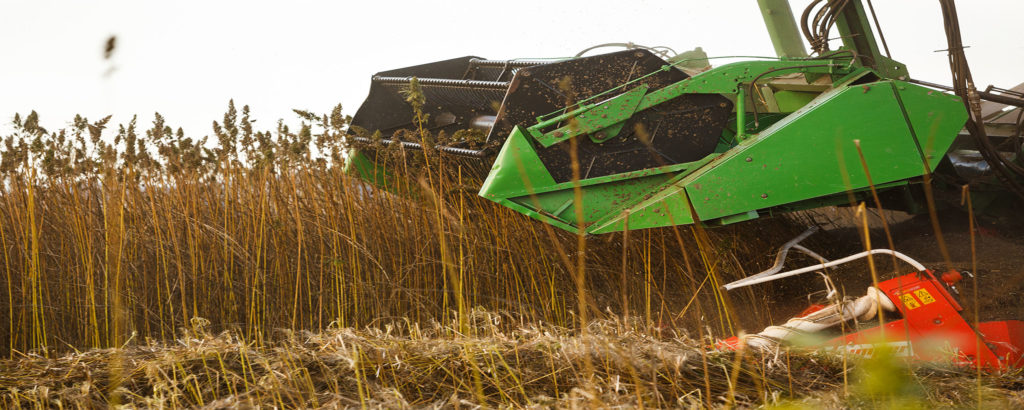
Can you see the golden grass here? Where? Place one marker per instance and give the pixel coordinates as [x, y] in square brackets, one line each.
[324, 291]
[103, 243]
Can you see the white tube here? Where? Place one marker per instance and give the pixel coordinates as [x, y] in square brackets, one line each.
[863, 308]
[754, 281]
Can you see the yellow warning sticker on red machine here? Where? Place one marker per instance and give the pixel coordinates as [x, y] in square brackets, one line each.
[925, 297]
[909, 301]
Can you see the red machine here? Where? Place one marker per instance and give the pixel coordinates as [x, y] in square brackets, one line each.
[921, 319]
[931, 327]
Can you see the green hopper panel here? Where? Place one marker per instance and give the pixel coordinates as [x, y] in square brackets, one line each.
[808, 157]
[812, 153]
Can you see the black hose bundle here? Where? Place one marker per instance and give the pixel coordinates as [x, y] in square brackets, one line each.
[1007, 171]
[816, 29]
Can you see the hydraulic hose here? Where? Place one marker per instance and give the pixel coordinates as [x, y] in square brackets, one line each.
[963, 86]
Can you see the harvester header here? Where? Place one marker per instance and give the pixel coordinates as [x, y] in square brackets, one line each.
[635, 140]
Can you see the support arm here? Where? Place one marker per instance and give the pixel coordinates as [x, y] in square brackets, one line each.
[778, 18]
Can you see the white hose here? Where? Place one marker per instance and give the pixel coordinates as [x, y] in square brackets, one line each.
[762, 279]
[862, 308]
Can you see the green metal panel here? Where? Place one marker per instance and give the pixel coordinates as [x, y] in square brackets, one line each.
[812, 154]
[667, 211]
[890, 68]
[597, 200]
[931, 126]
[665, 207]
[789, 101]
[358, 164]
[516, 170]
[519, 181]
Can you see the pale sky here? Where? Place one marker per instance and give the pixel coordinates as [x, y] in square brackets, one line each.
[185, 59]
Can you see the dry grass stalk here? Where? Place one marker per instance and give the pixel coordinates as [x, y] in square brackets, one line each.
[263, 230]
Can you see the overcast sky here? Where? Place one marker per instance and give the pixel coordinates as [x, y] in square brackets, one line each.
[185, 59]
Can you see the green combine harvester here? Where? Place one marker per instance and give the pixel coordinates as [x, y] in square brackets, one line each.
[650, 141]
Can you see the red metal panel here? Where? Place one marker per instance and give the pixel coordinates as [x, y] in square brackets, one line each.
[1006, 339]
[931, 328]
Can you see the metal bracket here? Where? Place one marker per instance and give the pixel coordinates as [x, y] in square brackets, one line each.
[603, 121]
